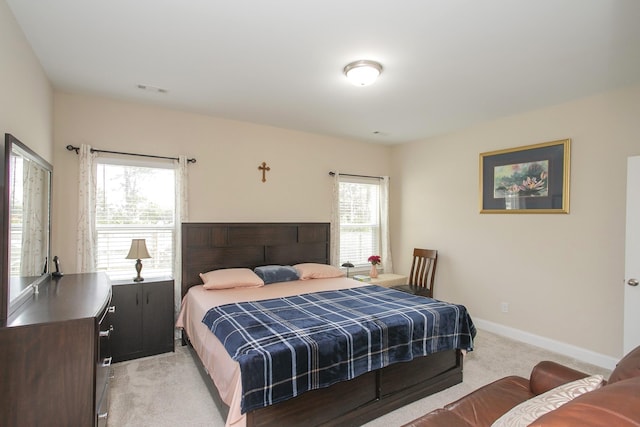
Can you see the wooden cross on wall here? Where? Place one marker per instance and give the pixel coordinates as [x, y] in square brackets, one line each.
[264, 168]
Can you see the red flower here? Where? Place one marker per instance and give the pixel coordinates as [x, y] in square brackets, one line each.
[374, 259]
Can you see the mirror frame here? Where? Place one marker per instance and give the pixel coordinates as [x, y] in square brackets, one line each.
[7, 307]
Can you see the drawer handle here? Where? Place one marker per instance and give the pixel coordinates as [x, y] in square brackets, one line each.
[106, 362]
[105, 334]
[103, 416]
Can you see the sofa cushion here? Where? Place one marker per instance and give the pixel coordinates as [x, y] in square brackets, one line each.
[615, 404]
[486, 404]
[528, 411]
[627, 367]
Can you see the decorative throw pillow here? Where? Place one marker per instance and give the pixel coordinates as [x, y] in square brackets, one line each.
[311, 270]
[227, 278]
[530, 410]
[276, 273]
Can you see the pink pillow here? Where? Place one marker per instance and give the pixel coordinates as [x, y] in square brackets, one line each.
[227, 278]
[311, 270]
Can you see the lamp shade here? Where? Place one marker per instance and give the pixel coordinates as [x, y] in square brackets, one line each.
[138, 249]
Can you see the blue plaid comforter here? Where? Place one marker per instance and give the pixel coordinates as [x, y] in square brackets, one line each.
[286, 346]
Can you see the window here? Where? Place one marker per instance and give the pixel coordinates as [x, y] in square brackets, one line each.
[134, 201]
[359, 219]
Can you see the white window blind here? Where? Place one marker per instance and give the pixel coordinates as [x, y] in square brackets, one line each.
[134, 201]
[359, 220]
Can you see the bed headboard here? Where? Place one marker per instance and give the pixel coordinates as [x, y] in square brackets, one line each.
[211, 246]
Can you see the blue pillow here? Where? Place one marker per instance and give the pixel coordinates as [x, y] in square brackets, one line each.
[276, 273]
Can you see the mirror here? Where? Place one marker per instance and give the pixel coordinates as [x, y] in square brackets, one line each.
[26, 222]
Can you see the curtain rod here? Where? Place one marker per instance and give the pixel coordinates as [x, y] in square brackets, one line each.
[93, 150]
[359, 176]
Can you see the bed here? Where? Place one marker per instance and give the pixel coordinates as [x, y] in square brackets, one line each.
[213, 246]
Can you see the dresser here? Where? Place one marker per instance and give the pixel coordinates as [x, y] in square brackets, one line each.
[54, 355]
[143, 321]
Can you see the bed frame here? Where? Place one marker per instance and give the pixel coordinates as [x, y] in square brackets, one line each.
[210, 246]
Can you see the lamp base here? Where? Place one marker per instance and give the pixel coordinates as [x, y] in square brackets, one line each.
[138, 278]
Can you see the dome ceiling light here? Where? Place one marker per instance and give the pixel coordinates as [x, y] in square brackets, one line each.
[363, 72]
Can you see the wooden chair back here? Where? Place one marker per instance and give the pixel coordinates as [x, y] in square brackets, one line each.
[423, 271]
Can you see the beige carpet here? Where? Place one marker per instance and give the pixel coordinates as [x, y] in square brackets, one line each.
[168, 391]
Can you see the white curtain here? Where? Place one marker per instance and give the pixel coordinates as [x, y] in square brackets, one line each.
[182, 203]
[86, 237]
[385, 242]
[334, 249]
[34, 242]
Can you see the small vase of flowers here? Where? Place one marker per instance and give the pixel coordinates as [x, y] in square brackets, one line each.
[374, 260]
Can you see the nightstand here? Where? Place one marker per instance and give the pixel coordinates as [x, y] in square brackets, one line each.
[143, 323]
[387, 280]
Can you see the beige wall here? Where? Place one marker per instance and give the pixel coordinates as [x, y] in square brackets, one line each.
[27, 98]
[562, 275]
[224, 184]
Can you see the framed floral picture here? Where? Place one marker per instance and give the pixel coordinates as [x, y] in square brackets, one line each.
[529, 179]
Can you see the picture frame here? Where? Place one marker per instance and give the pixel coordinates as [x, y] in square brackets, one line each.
[529, 179]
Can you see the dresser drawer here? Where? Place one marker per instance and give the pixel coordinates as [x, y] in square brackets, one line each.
[103, 410]
[103, 362]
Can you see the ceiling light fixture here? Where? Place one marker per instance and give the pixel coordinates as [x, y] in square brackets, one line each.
[363, 72]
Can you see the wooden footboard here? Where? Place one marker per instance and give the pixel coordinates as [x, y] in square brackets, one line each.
[369, 396]
[355, 402]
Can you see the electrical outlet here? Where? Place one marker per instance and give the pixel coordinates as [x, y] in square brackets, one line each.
[504, 307]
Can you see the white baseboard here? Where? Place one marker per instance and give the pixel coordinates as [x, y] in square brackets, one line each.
[569, 350]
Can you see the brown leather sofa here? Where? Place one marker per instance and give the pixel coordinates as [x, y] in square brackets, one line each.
[617, 403]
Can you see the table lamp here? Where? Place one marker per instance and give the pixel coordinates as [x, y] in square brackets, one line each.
[347, 265]
[138, 251]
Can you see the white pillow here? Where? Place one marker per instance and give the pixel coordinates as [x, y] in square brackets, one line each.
[532, 409]
[227, 278]
[310, 270]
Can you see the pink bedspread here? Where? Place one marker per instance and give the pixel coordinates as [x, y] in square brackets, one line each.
[223, 370]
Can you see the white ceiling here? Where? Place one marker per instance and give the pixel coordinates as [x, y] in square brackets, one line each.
[447, 63]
